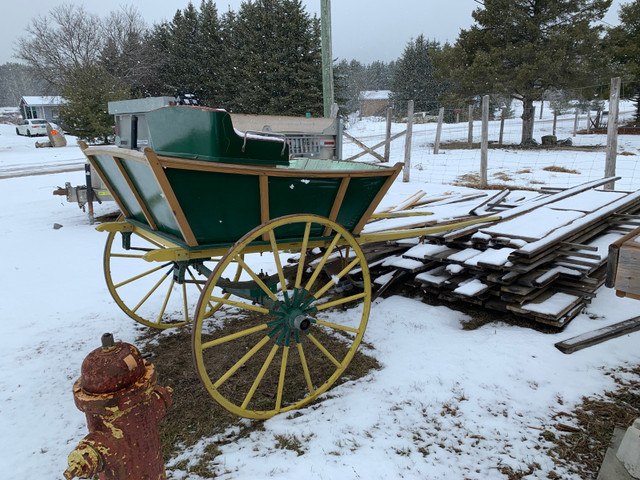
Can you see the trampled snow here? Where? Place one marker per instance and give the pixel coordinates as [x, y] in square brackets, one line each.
[447, 403]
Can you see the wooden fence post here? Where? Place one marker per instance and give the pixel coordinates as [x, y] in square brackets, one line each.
[436, 146]
[575, 122]
[555, 122]
[470, 137]
[612, 132]
[503, 115]
[484, 144]
[387, 138]
[589, 121]
[407, 143]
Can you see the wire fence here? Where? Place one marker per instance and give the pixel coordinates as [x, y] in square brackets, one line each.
[577, 158]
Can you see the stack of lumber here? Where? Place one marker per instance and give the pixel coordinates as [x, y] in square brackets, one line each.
[543, 259]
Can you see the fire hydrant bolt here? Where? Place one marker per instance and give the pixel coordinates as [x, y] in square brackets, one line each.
[118, 393]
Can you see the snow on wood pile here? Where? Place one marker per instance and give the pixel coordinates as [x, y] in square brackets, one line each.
[543, 260]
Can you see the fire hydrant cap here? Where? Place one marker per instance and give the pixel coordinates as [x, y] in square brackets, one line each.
[107, 370]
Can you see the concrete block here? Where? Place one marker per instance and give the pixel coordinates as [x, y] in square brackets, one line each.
[611, 468]
[629, 450]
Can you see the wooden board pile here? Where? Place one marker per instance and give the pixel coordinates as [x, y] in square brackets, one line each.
[543, 259]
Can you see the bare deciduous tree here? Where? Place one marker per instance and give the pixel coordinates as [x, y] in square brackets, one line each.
[66, 38]
[126, 53]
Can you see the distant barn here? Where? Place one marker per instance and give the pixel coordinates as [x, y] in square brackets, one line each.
[374, 102]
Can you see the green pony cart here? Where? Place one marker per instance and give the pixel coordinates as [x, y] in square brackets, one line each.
[214, 217]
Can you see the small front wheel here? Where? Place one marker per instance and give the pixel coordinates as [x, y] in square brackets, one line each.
[158, 295]
[275, 348]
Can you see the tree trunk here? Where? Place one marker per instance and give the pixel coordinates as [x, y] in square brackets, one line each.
[528, 113]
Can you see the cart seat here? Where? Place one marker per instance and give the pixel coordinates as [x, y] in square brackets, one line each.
[208, 134]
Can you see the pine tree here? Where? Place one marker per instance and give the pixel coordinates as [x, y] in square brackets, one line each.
[87, 91]
[414, 77]
[524, 47]
[127, 54]
[624, 42]
[230, 78]
[211, 54]
[182, 43]
[278, 59]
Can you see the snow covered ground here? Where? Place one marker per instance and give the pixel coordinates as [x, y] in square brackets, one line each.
[446, 404]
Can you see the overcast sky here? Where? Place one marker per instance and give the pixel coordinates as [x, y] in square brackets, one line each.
[364, 30]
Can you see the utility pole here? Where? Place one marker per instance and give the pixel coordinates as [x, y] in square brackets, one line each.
[327, 56]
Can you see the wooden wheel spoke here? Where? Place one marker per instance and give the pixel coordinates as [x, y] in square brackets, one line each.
[323, 260]
[335, 326]
[283, 369]
[141, 275]
[324, 350]
[263, 370]
[303, 252]
[257, 279]
[153, 289]
[185, 302]
[276, 257]
[234, 336]
[233, 303]
[305, 368]
[166, 300]
[332, 282]
[341, 301]
[242, 361]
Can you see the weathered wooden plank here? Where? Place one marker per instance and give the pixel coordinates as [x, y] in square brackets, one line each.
[392, 278]
[614, 252]
[491, 201]
[600, 335]
[628, 272]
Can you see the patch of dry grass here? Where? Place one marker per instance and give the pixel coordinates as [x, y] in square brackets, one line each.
[560, 170]
[194, 415]
[581, 437]
[472, 180]
[503, 177]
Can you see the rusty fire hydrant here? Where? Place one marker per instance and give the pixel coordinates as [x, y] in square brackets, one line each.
[117, 391]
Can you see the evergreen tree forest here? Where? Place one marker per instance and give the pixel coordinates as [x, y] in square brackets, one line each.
[265, 58]
[352, 78]
[523, 48]
[414, 78]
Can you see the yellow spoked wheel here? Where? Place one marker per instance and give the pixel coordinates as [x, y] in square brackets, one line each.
[276, 348]
[158, 295]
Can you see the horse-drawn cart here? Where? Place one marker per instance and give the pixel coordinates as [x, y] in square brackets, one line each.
[214, 217]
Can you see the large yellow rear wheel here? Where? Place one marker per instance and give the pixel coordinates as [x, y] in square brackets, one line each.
[273, 347]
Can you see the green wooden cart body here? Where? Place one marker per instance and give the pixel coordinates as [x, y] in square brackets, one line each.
[201, 183]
